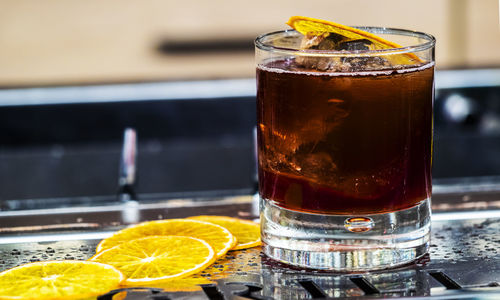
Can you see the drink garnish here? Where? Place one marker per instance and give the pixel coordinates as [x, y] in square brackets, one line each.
[154, 259]
[326, 35]
[166, 253]
[246, 232]
[217, 236]
[66, 279]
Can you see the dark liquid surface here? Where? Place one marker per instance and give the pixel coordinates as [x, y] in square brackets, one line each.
[343, 144]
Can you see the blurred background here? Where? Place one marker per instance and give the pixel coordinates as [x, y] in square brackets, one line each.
[75, 74]
[74, 42]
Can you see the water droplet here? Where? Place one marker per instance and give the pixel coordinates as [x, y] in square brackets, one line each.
[359, 224]
[392, 227]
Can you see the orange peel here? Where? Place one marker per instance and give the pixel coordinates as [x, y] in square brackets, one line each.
[311, 26]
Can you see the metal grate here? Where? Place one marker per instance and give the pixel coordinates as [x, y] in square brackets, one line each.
[463, 262]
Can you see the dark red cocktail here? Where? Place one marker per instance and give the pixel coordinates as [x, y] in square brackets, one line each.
[344, 144]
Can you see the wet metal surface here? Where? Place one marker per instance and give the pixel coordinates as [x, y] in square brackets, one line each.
[463, 262]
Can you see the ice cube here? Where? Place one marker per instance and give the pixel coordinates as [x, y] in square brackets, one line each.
[352, 45]
[367, 63]
[318, 63]
[333, 41]
[310, 41]
[325, 41]
[362, 63]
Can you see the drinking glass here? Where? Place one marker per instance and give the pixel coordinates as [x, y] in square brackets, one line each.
[345, 150]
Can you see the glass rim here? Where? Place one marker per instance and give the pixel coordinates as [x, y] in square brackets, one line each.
[428, 44]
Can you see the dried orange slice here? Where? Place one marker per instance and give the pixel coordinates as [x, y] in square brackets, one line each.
[239, 261]
[59, 280]
[156, 259]
[313, 26]
[217, 236]
[246, 232]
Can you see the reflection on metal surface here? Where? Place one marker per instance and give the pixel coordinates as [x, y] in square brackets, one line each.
[467, 78]
[467, 215]
[478, 205]
[463, 262]
[71, 226]
[129, 92]
[466, 185]
[51, 238]
[170, 204]
[445, 79]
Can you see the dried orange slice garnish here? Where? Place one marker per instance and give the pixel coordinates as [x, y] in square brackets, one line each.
[239, 261]
[311, 26]
[59, 280]
[156, 259]
[217, 236]
[246, 232]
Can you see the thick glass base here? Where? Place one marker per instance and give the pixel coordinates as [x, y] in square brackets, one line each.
[345, 243]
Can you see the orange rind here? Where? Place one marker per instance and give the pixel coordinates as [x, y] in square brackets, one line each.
[316, 27]
[247, 233]
[217, 236]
